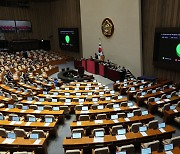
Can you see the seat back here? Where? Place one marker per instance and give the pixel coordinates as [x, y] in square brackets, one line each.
[94, 106]
[163, 96]
[151, 99]
[115, 129]
[121, 115]
[173, 93]
[110, 105]
[34, 107]
[75, 151]
[129, 149]
[153, 124]
[104, 150]
[101, 116]
[137, 112]
[176, 141]
[135, 127]
[78, 107]
[154, 145]
[83, 117]
[166, 107]
[20, 132]
[3, 132]
[124, 104]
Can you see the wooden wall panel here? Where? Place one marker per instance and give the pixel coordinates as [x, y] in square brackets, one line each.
[38, 13]
[158, 13]
[65, 14]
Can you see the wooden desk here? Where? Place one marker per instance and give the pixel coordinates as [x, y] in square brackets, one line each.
[153, 106]
[176, 150]
[11, 90]
[6, 100]
[59, 114]
[51, 127]
[33, 88]
[108, 122]
[87, 142]
[105, 110]
[141, 99]
[21, 143]
[170, 114]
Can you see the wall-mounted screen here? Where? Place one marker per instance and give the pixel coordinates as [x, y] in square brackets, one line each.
[167, 48]
[23, 26]
[7, 26]
[69, 39]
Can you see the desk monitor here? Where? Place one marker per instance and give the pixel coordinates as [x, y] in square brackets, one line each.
[34, 136]
[141, 87]
[121, 152]
[29, 98]
[156, 99]
[95, 99]
[142, 81]
[154, 91]
[41, 99]
[143, 129]
[121, 131]
[143, 93]
[57, 88]
[168, 96]
[170, 86]
[168, 147]
[10, 106]
[115, 116]
[106, 87]
[67, 94]
[85, 108]
[38, 86]
[145, 112]
[130, 104]
[55, 93]
[67, 88]
[96, 88]
[120, 97]
[45, 92]
[100, 107]
[112, 92]
[115, 105]
[101, 93]
[172, 107]
[99, 134]
[68, 100]
[40, 108]
[107, 98]
[133, 88]
[146, 151]
[149, 85]
[54, 99]
[48, 120]
[15, 118]
[76, 135]
[134, 82]
[77, 84]
[78, 94]
[129, 115]
[11, 135]
[81, 100]
[55, 108]
[89, 93]
[89, 84]
[86, 88]
[1, 117]
[32, 119]
[161, 125]
[24, 107]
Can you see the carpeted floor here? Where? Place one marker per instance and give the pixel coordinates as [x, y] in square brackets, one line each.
[55, 144]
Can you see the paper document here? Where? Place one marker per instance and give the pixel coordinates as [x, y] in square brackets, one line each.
[143, 134]
[78, 123]
[12, 122]
[126, 119]
[98, 121]
[37, 141]
[175, 110]
[98, 139]
[28, 124]
[120, 137]
[83, 112]
[162, 130]
[116, 121]
[46, 124]
[8, 141]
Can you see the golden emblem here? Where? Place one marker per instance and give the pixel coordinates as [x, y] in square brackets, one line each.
[107, 27]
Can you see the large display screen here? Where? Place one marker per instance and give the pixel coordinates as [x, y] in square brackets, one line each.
[69, 39]
[7, 26]
[23, 26]
[167, 48]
